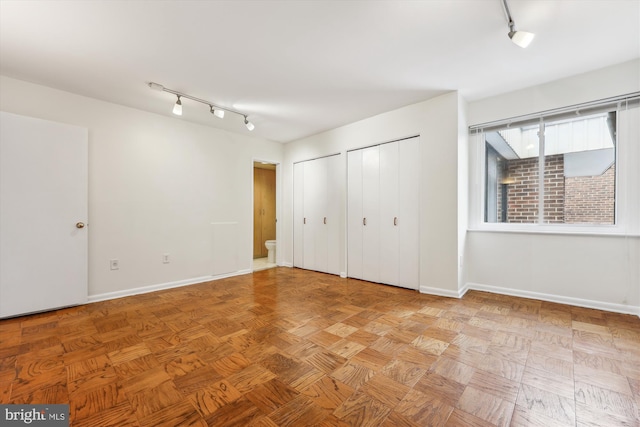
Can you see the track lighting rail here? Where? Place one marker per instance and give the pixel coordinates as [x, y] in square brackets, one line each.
[212, 106]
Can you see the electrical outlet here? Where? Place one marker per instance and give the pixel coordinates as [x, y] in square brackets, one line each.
[165, 259]
[114, 264]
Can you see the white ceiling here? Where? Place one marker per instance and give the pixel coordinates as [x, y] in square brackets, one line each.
[301, 67]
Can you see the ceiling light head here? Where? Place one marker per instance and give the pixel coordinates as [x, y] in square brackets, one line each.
[521, 38]
[177, 108]
[218, 113]
[248, 124]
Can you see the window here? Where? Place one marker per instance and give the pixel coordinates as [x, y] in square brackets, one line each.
[566, 170]
[576, 158]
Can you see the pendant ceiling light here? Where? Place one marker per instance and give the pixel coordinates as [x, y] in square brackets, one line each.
[521, 38]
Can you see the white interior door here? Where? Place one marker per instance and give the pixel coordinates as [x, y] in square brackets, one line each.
[354, 214]
[371, 214]
[389, 236]
[43, 202]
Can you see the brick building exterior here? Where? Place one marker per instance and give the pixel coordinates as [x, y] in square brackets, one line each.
[567, 200]
[590, 199]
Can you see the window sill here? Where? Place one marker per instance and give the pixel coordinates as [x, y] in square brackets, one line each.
[598, 231]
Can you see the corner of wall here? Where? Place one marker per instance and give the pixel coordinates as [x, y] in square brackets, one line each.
[463, 190]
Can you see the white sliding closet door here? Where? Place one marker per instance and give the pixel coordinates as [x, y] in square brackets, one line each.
[354, 214]
[319, 218]
[371, 214]
[389, 212]
[409, 213]
[335, 181]
[317, 215]
[311, 207]
[298, 215]
[383, 213]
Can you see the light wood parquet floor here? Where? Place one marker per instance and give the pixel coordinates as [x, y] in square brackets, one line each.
[288, 347]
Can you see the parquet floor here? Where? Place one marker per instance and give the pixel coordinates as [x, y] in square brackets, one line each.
[288, 347]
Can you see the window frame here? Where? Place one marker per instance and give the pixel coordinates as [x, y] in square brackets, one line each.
[625, 199]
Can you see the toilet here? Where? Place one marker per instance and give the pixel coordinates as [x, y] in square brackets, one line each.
[271, 248]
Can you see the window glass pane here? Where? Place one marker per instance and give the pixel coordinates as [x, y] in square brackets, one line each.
[511, 181]
[579, 178]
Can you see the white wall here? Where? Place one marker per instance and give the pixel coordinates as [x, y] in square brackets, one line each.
[436, 121]
[600, 272]
[588, 270]
[592, 86]
[156, 184]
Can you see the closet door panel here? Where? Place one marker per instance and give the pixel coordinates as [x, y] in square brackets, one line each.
[335, 180]
[321, 234]
[311, 209]
[389, 236]
[409, 213]
[298, 215]
[371, 214]
[354, 214]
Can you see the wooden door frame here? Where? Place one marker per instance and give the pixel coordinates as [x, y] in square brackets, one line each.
[278, 207]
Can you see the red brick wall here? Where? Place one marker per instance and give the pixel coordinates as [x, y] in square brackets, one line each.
[522, 193]
[572, 200]
[590, 199]
[554, 189]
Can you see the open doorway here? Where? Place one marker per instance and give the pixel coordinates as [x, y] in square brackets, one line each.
[264, 215]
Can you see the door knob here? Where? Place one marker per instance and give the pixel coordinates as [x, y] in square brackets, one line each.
[79, 224]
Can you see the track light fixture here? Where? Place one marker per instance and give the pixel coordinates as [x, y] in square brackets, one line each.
[218, 113]
[248, 124]
[177, 108]
[521, 38]
[216, 110]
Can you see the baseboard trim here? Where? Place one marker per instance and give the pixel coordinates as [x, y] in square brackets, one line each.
[161, 286]
[463, 290]
[442, 292]
[579, 302]
[287, 264]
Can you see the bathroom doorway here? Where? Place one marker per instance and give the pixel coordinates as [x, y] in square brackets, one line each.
[264, 215]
